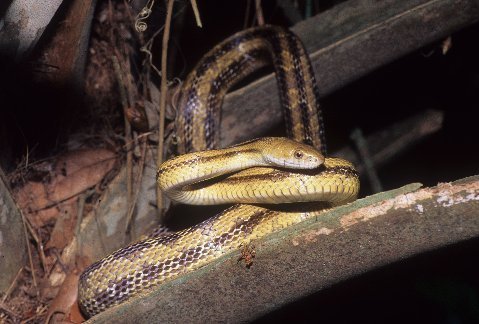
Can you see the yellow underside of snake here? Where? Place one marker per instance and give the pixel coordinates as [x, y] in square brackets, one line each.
[268, 170]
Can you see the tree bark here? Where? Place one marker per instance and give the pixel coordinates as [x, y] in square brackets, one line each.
[13, 251]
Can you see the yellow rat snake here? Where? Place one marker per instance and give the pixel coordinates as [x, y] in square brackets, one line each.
[258, 172]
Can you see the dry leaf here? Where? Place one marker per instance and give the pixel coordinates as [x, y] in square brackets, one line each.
[64, 229]
[65, 299]
[71, 174]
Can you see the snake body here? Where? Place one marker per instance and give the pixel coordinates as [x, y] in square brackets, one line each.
[177, 176]
[199, 113]
[269, 170]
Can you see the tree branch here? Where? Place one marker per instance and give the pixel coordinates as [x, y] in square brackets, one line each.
[342, 243]
[393, 140]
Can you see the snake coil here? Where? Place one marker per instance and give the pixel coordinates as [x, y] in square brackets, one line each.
[269, 170]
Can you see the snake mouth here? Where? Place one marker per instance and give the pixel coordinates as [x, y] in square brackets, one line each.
[315, 171]
[299, 166]
[303, 164]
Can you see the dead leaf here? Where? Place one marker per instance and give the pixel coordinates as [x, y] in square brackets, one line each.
[65, 299]
[71, 174]
[64, 228]
[78, 171]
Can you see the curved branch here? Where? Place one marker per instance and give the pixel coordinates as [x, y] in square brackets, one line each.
[342, 243]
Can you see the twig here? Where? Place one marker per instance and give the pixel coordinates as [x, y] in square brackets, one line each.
[197, 13]
[140, 25]
[137, 186]
[129, 154]
[128, 83]
[80, 209]
[101, 234]
[363, 150]
[38, 241]
[30, 258]
[9, 312]
[161, 124]
[259, 13]
[10, 288]
[60, 262]
[39, 312]
[246, 14]
[308, 9]
[147, 47]
[138, 138]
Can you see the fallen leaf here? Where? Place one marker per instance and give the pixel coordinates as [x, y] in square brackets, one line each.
[65, 299]
[64, 228]
[71, 174]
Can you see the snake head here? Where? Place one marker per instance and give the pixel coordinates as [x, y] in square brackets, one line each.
[286, 153]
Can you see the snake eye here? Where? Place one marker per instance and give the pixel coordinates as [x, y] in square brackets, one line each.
[298, 154]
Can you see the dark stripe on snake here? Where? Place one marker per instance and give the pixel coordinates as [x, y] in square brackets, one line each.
[293, 48]
[204, 159]
[218, 87]
[319, 111]
[202, 67]
[278, 175]
[281, 78]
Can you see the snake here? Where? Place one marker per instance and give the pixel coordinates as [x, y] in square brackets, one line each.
[274, 182]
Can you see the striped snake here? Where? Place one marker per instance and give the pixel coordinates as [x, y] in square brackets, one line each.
[263, 171]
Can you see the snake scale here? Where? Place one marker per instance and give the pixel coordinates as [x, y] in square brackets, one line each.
[262, 175]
